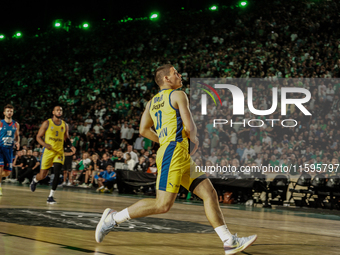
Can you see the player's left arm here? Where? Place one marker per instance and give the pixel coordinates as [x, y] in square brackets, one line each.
[146, 124]
[68, 142]
[17, 137]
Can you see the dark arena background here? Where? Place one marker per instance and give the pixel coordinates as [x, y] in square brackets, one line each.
[97, 62]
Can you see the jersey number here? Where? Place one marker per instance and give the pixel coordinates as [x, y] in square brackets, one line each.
[159, 119]
[56, 133]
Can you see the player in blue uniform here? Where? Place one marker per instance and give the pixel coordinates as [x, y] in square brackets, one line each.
[9, 135]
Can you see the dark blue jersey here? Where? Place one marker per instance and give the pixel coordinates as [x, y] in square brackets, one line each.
[7, 132]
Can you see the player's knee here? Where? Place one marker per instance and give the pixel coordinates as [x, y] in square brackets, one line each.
[6, 173]
[164, 207]
[210, 194]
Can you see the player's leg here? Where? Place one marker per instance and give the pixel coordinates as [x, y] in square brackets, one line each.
[232, 243]
[46, 164]
[145, 207]
[6, 159]
[2, 164]
[40, 176]
[167, 184]
[3, 173]
[208, 194]
[57, 170]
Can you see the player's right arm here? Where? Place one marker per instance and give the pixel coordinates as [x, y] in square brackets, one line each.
[41, 134]
[180, 101]
[145, 125]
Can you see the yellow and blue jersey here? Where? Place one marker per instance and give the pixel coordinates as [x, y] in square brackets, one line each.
[167, 120]
[54, 135]
[174, 163]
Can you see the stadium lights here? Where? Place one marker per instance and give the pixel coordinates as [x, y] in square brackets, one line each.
[213, 8]
[243, 4]
[154, 16]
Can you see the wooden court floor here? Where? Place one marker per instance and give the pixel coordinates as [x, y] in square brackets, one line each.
[35, 233]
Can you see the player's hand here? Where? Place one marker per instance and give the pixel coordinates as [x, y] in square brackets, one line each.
[48, 146]
[196, 142]
[17, 144]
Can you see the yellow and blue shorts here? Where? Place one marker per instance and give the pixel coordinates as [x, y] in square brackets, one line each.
[49, 157]
[175, 168]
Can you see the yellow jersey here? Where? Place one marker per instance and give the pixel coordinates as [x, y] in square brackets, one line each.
[54, 135]
[167, 120]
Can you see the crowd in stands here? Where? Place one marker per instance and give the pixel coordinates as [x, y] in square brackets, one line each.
[103, 78]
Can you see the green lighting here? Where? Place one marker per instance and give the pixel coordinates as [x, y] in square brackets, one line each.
[57, 24]
[18, 34]
[154, 16]
[2, 36]
[213, 8]
[182, 8]
[243, 4]
[85, 25]
[103, 19]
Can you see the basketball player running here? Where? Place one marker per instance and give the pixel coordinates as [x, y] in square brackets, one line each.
[169, 112]
[55, 132]
[9, 134]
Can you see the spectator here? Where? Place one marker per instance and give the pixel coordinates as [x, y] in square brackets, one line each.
[132, 154]
[130, 162]
[30, 166]
[106, 179]
[139, 143]
[141, 166]
[119, 162]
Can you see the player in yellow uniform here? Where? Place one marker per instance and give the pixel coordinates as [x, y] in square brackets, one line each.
[52, 135]
[168, 111]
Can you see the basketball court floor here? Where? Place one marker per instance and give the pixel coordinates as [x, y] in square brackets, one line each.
[29, 226]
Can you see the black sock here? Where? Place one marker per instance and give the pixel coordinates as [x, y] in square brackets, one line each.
[57, 170]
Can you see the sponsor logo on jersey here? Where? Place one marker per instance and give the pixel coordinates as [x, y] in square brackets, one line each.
[157, 106]
[55, 139]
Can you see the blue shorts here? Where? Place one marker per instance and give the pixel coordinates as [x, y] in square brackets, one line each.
[6, 158]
